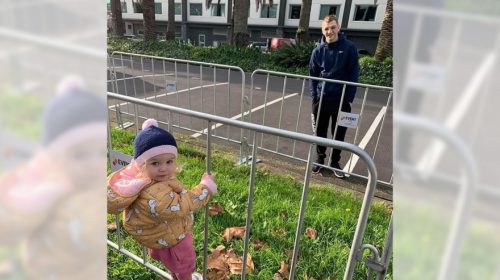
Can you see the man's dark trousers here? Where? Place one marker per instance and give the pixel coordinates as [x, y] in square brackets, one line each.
[329, 110]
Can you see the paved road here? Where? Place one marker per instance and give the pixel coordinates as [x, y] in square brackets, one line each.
[292, 106]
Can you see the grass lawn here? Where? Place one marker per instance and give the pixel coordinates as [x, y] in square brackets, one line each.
[332, 213]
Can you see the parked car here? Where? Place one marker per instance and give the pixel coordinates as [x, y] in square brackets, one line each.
[258, 45]
[277, 43]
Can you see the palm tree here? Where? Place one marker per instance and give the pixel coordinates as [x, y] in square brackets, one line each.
[302, 35]
[171, 20]
[148, 14]
[118, 27]
[384, 46]
[240, 36]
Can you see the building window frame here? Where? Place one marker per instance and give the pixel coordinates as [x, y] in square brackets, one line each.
[323, 7]
[363, 13]
[178, 9]
[158, 8]
[196, 7]
[294, 11]
[213, 10]
[267, 12]
[137, 8]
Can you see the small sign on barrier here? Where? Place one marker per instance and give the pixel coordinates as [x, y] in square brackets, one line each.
[348, 119]
[171, 86]
[118, 160]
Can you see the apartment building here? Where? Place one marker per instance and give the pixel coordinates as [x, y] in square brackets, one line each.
[361, 20]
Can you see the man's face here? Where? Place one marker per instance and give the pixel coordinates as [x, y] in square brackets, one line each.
[330, 30]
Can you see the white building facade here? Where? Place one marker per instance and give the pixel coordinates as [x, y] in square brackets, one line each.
[360, 20]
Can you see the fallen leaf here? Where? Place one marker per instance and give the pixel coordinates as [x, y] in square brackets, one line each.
[215, 209]
[277, 276]
[217, 262]
[229, 233]
[218, 275]
[284, 270]
[310, 278]
[257, 244]
[112, 226]
[236, 264]
[311, 233]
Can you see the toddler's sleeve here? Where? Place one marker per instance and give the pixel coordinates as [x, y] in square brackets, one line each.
[122, 190]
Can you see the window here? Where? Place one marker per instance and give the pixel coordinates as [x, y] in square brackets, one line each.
[215, 12]
[137, 8]
[365, 13]
[268, 12]
[327, 10]
[124, 7]
[195, 9]
[178, 8]
[294, 12]
[158, 8]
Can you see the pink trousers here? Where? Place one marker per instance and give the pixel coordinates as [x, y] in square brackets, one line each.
[179, 259]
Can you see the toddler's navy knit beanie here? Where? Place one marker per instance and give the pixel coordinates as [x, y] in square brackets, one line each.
[152, 141]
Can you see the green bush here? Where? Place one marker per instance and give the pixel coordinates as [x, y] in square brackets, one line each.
[294, 56]
[375, 73]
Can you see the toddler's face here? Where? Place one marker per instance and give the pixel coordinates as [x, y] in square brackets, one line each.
[161, 167]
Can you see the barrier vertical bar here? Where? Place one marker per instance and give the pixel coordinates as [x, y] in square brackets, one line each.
[382, 123]
[136, 120]
[334, 133]
[201, 88]
[281, 111]
[265, 107]
[215, 82]
[249, 205]
[298, 115]
[387, 252]
[357, 128]
[189, 95]
[209, 168]
[229, 102]
[303, 201]
[154, 87]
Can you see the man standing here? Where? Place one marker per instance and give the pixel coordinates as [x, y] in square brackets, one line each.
[335, 58]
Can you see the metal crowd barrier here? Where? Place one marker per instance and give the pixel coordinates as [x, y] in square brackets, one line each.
[295, 116]
[357, 247]
[205, 87]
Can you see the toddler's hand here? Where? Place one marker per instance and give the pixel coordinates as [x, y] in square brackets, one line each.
[209, 181]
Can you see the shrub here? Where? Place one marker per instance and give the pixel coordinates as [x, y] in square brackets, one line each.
[375, 73]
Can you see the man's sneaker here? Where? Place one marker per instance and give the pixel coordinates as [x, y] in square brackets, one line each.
[338, 173]
[197, 276]
[316, 168]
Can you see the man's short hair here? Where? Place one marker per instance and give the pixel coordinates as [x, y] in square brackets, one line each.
[330, 18]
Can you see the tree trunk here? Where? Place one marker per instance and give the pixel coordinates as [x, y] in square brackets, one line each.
[148, 13]
[302, 35]
[171, 20]
[117, 21]
[240, 36]
[384, 45]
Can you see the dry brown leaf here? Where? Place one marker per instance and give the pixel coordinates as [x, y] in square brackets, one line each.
[257, 244]
[277, 276]
[284, 270]
[217, 262]
[310, 278]
[218, 275]
[236, 264]
[215, 209]
[311, 233]
[229, 233]
[112, 226]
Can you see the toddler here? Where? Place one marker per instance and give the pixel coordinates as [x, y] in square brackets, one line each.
[157, 209]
